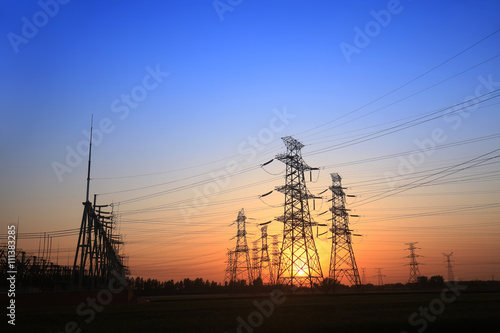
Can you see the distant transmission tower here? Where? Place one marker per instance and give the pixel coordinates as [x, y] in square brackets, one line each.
[448, 260]
[265, 264]
[229, 267]
[241, 267]
[275, 256]
[380, 276]
[414, 271]
[342, 260]
[299, 260]
[255, 259]
[364, 276]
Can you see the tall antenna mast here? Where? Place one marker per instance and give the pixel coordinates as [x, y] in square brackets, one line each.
[90, 157]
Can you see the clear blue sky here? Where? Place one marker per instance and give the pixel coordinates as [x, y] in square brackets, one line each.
[227, 72]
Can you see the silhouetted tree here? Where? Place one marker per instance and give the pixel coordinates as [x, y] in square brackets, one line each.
[258, 282]
[423, 281]
[436, 281]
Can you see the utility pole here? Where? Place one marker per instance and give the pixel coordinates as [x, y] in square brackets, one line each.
[299, 263]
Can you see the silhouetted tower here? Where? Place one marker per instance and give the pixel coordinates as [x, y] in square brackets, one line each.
[265, 265]
[97, 253]
[275, 256]
[364, 276]
[299, 261]
[448, 260]
[255, 259]
[380, 276]
[242, 267]
[414, 270]
[229, 267]
[342, 260]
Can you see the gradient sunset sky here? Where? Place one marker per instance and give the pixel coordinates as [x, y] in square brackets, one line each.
[190, 97]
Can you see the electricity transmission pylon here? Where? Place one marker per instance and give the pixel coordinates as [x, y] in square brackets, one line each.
[255, 259]
[448, 260]
[342, 260]
[265, 269]
[241, 266]
[414, 270]
[380, 276]
[299, 260]
[229, 267]
[275, 256]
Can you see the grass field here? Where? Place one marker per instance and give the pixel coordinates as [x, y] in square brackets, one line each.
[473, 312]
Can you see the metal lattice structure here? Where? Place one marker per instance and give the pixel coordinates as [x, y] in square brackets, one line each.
[299, 263]
[414, 270]
[255, 259]
[265, 268]
[380, 276]
[97, 251]
[448, 260]
[229, 267]
[342, 260]
[275, 256]
[241, 266]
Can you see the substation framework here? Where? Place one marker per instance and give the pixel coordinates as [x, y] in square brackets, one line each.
[97, 253]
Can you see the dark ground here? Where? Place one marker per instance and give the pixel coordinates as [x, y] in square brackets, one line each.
[369, 312]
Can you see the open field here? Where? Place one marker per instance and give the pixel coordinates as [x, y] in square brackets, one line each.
[378, 312]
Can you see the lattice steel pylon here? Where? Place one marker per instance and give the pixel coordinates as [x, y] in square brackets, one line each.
[380, 276]
[255, 259]
[342, 260]
[229, 267]
[299, 263]
[275, 256]
[265, 264]
[242, 266]
[414, 270]
[448, 260]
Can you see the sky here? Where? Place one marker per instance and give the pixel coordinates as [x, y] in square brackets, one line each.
[189, 98]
